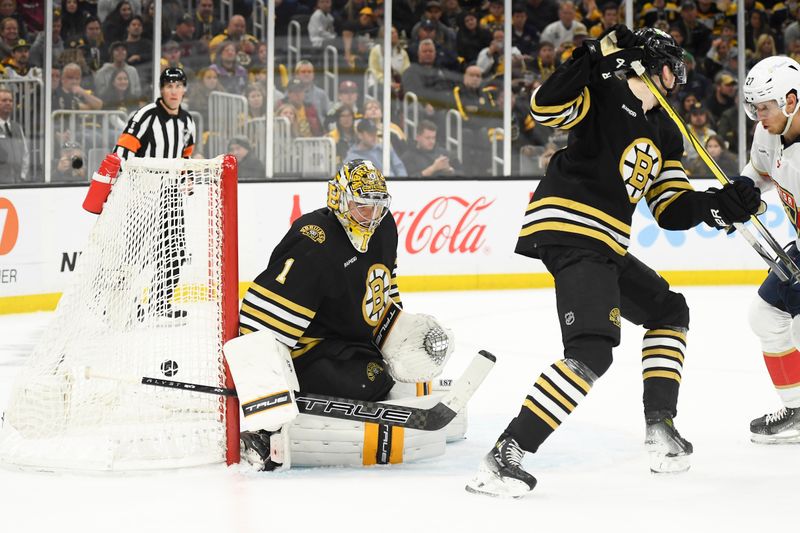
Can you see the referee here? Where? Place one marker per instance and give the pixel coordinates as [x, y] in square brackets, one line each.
[165, 130]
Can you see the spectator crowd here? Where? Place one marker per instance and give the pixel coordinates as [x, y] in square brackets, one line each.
[447, 53]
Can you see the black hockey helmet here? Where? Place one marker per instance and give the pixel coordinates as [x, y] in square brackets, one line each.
[661, 49]
[172, 74]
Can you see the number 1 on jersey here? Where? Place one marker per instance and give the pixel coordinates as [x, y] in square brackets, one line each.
[286, 267]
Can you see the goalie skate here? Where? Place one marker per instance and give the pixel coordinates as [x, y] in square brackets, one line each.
[780, 427]
[265, 450]
[669, 452]
[500, 473]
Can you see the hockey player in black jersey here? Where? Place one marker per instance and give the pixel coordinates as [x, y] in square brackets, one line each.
[622, 149]
[327, 291]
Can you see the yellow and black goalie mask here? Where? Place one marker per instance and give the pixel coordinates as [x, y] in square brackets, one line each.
[358, 196]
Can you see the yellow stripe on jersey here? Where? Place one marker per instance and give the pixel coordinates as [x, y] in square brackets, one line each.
[665, 204]
[277, 324]
[277, 298]
[297, 352]
[582, 208]
[558, 116]
[574, 228]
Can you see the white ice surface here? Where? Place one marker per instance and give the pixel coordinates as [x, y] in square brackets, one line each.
[593, 473]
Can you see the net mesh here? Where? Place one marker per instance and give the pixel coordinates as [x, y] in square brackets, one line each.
[145, 300]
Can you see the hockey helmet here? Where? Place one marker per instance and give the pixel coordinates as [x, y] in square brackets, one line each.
[771, 79]
[661, 49]
[172, 74]
[358, 196]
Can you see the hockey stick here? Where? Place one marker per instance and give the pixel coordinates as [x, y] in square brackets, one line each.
[783, 265]
[389, 414]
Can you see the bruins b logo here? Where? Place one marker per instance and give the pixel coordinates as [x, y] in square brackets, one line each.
[639, 165]
[379, 281]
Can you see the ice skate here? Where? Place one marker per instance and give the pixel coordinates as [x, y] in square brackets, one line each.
[780, 427]
[265, 450]
[500, 473]
[669, 452]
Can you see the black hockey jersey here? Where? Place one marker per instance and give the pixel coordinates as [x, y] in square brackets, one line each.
[318, 287]
[616, 155]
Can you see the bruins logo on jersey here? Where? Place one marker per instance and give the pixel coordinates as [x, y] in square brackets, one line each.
[315, 233]
[613, 316]
[373, 370]
[639, 165]
[379, 281]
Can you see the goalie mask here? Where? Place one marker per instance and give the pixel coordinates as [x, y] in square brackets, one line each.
[357, 195]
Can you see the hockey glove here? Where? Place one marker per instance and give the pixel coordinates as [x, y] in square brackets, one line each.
[414, 346]
[618, 49]
[735, 202]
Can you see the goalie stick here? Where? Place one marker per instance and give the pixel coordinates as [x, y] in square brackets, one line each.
[783, 265]
[389, 414]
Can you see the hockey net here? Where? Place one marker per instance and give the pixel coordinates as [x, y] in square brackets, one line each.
[155, 294]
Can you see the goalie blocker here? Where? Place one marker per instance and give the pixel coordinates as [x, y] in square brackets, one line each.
[274, 436]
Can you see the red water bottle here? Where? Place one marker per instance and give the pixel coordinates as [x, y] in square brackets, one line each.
[296, 211]
[100, 187]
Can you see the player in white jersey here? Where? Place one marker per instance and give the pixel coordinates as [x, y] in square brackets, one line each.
[771, 99]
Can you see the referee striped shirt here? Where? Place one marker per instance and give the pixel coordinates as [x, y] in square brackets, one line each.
[152, 132]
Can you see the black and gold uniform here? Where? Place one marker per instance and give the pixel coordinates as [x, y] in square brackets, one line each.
[322, 298]
[578, 224]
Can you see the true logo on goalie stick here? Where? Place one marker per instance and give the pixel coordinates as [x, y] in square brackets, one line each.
[169, 368]
[347, 410]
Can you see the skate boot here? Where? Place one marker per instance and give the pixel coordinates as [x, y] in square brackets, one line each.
[500, 473]
[669, 452]
[265, 450]
[781, 427]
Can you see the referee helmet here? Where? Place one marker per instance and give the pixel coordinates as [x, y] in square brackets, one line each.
[172, 74]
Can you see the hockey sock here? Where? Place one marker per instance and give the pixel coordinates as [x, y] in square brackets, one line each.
[662, 364]
[784, 369]
[556, 393]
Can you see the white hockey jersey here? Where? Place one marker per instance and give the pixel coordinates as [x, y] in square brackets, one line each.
[775, 165]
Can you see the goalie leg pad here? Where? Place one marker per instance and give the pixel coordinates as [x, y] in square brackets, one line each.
[320, 441]
[263, 371]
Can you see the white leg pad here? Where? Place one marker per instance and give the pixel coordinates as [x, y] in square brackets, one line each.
[773, 327]
[321, 441]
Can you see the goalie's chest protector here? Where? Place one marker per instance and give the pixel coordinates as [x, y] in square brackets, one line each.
[591, 187]
[355, 286]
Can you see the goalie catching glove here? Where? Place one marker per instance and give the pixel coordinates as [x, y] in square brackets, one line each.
[414, 346]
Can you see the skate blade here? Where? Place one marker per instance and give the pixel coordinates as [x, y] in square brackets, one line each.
[792, 437]
[488, 483]
[669, 464]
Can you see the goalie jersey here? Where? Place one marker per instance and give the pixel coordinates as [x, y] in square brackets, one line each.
[616, 156]
[318, 287]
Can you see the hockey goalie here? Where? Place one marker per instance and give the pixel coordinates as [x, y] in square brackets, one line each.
[325, 317]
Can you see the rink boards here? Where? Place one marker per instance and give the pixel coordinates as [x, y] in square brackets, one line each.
[453, 235]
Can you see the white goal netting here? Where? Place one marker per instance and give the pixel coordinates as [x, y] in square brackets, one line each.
[147, 299]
